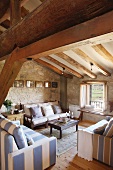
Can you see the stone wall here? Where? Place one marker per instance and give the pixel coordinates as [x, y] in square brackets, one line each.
[32, 71]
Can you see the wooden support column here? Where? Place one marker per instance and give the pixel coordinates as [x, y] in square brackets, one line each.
[9, 73]
[15, 11]
[63, 92]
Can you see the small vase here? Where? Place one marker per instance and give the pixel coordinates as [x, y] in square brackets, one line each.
[8, 109]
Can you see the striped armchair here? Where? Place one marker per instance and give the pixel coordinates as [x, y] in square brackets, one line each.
[103, 149]
[38, 156]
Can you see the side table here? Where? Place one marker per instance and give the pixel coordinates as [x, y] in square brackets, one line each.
[13, 117]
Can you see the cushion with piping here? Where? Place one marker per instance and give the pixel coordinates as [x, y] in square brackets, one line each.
[15, 131]
[109, 129]
[48, 110]
[36, 111]
[57, 109]
[100, 129]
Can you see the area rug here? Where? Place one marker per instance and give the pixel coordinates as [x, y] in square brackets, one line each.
[68, 141]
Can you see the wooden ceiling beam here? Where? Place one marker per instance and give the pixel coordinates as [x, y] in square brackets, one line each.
[76, 64]
[85, 57]
[53, 68]
[103, 52]
[8, 74]
[15, 12]
[75, 73]
[12, 36]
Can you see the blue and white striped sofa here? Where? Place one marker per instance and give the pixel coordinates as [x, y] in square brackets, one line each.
[38, 156]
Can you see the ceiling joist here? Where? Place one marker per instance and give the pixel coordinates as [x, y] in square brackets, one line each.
[53, 68]
[76, 64]
[85, 57]
[103, 52]
[64, 66]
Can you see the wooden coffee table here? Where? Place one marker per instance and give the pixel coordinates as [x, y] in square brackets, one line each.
[62, 126]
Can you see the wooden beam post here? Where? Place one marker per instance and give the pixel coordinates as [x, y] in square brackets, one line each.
[8, 74]
[15, 12]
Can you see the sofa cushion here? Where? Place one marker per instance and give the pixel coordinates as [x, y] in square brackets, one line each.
[57, 109]
[16, 131]
[53, 117]
[48, 110]
[100, 130]
[109, 129]
[27, 108]
[39, 120]
[36, 111]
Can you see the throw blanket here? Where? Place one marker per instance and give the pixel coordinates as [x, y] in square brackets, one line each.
[85, 145]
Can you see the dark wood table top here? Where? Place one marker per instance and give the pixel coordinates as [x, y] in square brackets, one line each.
[60, 125]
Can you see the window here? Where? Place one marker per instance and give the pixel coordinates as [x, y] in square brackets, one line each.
[93, 93]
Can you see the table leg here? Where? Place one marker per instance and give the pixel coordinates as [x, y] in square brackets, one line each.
[60, 134]
[50, 130]
[76, 127]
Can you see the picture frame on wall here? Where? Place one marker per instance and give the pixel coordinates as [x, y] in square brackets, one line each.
[30, 83]
[19, 83]
[47, 84]
[54, 84]
[38, 84]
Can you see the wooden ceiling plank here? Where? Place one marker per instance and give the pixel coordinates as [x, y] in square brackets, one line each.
[76, 64]
[8, 75]
[46, 64]
[85, 57]
[64, 66]
[15, 12]
[44, 27]
[68, 39]
[103, 52]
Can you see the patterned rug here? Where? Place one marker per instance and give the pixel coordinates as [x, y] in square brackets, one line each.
[68, 141]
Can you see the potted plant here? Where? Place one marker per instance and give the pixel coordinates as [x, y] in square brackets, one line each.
[7, 103]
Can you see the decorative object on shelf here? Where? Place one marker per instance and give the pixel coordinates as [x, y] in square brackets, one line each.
[7, 103]
[30, 83]
[63, 70]
[38, 84]
[19, 83]
[54, 84]
[47, 84]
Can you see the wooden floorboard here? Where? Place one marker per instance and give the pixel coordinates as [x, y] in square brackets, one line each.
[70, 160]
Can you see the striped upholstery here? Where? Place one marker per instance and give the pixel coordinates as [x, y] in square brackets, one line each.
[102, 149]
[16, 131]
[109, 129]
[38, 156]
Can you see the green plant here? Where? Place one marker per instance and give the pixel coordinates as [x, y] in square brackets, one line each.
[7, 103]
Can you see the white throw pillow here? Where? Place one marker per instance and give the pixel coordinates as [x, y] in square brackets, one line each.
[48, 110]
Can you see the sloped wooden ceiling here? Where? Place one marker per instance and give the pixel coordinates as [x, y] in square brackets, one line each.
[51, 32]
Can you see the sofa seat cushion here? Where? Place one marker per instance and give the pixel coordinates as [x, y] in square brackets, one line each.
[48, 110]
[97, 125]
[53, 117]
[15, 131]
[36, 136]
[64, 114]
[40, 120]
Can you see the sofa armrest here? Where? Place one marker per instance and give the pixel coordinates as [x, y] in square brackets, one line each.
[103, 149]
[40, 155]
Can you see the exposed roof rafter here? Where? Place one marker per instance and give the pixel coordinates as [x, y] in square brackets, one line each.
[89, 60]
